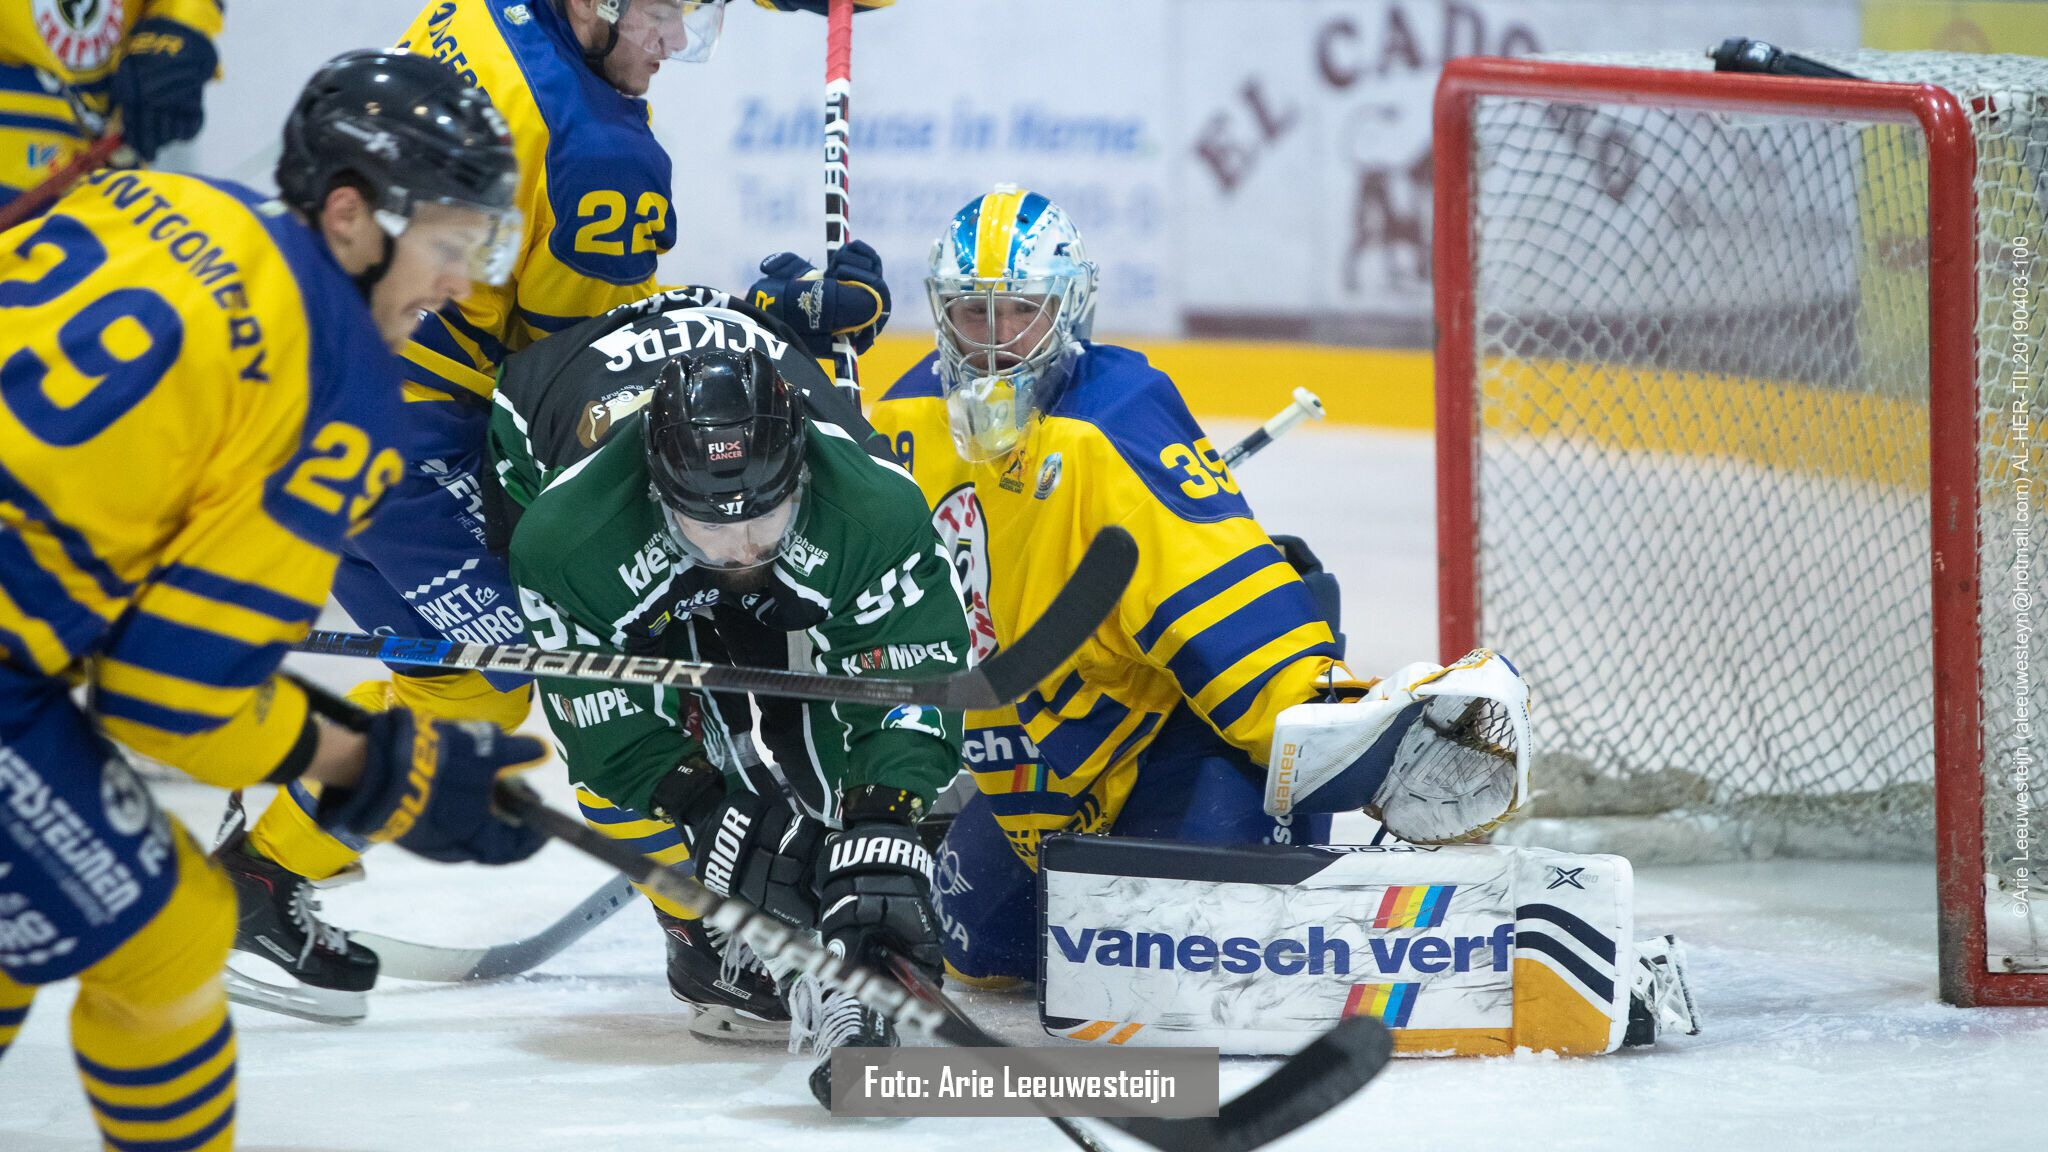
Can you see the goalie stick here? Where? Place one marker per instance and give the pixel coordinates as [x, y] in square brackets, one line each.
[1087, 598]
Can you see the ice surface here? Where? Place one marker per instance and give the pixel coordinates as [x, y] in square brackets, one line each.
[1816, 982]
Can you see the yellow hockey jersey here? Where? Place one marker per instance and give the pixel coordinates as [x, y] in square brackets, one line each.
[1214, 617]
[593, 191]
[78, 44]
[195, 408]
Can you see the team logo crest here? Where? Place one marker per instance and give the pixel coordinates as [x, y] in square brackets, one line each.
[1048, 477]
[82, 34]
[517, 14]
[916, 718]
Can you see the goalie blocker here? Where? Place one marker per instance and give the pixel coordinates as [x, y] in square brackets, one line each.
[1470, 950]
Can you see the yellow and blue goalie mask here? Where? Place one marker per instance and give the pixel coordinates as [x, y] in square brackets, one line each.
[1013, 296]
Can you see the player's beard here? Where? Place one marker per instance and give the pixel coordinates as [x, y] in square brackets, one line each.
[740, 581]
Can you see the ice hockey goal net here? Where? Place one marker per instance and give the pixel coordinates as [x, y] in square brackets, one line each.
[1735, 380]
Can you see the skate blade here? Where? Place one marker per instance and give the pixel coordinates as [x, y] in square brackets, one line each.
[319, 1005]
[718, 1022]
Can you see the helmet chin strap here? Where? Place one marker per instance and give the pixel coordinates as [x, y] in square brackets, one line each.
[594, 58]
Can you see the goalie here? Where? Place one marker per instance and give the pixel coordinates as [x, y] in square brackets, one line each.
[1214, 706]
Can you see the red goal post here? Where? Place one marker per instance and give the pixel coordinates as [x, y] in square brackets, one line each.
[1472, 355]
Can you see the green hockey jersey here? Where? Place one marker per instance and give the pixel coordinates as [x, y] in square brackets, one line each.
[863, 589]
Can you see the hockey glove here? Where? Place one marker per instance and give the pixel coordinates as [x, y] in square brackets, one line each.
[157, 86]
[758, 848]
[426, 784]
[875, 883]
[819, 6]
[851, 299]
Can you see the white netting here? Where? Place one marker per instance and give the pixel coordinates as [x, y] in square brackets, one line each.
[1703, 502]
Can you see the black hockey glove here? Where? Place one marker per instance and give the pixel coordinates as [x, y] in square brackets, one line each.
[850, 299]
[758, 848]
[426, 784]
[875, 883]
[157, 85]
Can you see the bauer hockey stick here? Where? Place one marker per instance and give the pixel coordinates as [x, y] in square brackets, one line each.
[1087, 598]
[408, 960]
[838, 202]
[1307, 1085]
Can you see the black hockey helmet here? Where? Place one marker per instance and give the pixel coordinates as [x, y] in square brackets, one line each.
[725, 445]
[408, 131]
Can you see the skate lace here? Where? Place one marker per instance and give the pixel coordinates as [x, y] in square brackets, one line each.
[735, 957]
[305, 912]
[823, 1018]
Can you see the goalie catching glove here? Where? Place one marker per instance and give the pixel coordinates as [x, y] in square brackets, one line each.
[875, 883]
[1436, 754]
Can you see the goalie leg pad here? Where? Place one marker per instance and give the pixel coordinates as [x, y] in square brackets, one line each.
[1462, 950]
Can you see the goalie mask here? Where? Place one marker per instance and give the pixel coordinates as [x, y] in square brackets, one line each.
[1013, 296]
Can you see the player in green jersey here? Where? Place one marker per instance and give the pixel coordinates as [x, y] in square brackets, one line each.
[679, 480]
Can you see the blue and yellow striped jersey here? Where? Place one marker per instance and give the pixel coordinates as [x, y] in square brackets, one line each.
[195, 409]
[593, 191]
[1214, 616]
[79, 45]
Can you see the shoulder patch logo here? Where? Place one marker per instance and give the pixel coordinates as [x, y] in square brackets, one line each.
[517, 14]
[1048, 477]
[916, 718]
[81, 34]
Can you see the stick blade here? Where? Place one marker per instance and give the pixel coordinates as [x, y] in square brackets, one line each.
[1310, 1084]
[1082, 604]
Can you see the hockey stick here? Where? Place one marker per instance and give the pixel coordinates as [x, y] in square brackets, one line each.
[838, 200]
[1305, 406]
[428, 962]
[930, 993]
[59, 182]
[1087, 598]
[1307, 1085]
[446, 965]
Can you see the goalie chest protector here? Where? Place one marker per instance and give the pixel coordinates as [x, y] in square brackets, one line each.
[1257, 949]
